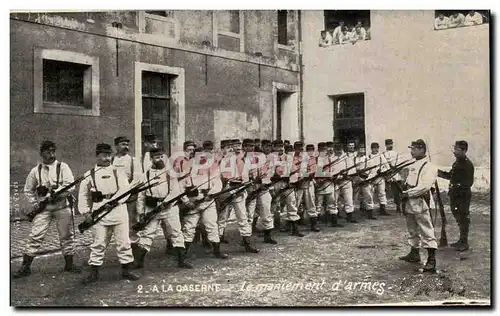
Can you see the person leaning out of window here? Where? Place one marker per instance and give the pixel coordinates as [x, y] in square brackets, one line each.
[441, 22]
[358, 33]
[325, 39]
[456, 20]
[473, 18]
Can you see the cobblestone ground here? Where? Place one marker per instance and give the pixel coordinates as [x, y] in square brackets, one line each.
[364, 252]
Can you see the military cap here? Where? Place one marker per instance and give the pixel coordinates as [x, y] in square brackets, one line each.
[329, 144]
[248, 142]
[462, 144]
[419, 143]
[389, 141]
[286, 142]
[277, 142]
[47, 145]
[298, 145]
[150, 138]
[235, 141]
[120, 139]
[266, 142]
[309, 147]
[223, 143]
[321, 145]
[257, 140]
[188, 143]
[156, 152]
[351, 141]
[208, 144]
[103, 149]
[374, 145]
[288, 148]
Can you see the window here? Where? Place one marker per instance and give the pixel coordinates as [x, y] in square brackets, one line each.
[282, 27]
[63, 83]
[345, 26]
[448, 19]
[229, 21]
[228, 30]
[160, 23]
[66, 83]
[287, 28]
[156, 107]
[167, 14]
[348, 118]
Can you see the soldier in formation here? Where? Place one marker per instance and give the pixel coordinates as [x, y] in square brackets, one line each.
[257, 180]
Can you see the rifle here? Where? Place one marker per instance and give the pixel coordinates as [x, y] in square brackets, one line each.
[443, 240]
[105, 209]
[53, 197]
[141, 225]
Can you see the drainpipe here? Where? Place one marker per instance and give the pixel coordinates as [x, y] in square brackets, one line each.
[301, 82]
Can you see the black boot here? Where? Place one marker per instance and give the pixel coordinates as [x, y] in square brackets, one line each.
[25, 269]
[223, 239]
[350, 219]
[139, 260]
[248, 246]
[69, 266]
[321, 218]
[334, 220]
[170, 247]
[382, 210]
[301, 219]
[135, 250]
[127, 275]
[287, 227]
[181, 258]
[430, 265]
[295, 229]
[463, 243]
[216, 251]
[314, 223]
[267, 237]
[412, 257]
[369, 214]
[93, 275]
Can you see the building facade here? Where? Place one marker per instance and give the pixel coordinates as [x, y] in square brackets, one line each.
[82, 78]
[405, 81]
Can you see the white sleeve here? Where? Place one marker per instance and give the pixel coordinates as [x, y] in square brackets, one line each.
[84, 197]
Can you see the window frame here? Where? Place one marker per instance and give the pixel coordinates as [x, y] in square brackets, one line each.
[143, 15]
[90, 83]
[296, 35]
[216, 31]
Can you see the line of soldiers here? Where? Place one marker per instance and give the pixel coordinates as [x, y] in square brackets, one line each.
[256, 180]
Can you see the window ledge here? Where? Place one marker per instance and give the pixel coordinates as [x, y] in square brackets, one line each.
[231, 34]
[484, 26]
[348, 44]
[287, 47]
[57, 108]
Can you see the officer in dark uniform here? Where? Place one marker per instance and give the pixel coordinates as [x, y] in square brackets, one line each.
[461, 178]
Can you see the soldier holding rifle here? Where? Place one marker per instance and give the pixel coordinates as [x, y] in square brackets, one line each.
[149, 200]
[417, 199]
[41, 184]
[96, 191]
